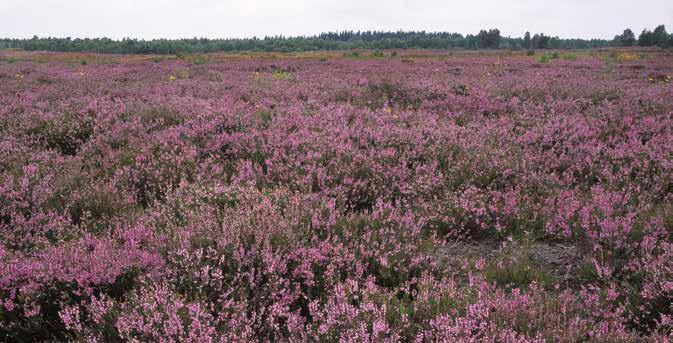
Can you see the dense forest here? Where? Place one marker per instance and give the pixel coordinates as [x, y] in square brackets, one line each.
[344, 40]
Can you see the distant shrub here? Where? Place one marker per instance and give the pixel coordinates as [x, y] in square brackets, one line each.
[282, 75]
[569, 57]
[625, 57]
[196, 59]
[530, 52]
[547, 58]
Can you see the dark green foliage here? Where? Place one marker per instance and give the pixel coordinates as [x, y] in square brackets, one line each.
[15, 327]
[344, 40]
[540, 41]
[489, 39]
[647, 313]
[526, 41]
[628, 38]
[659, 37]
[646, 38]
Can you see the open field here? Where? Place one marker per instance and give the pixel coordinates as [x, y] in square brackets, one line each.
[378, 196]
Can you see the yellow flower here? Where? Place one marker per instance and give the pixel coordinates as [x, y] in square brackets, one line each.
[171, 78]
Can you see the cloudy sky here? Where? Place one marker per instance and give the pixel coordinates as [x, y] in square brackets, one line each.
[247, 18]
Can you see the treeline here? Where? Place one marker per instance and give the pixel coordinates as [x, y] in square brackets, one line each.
[659, 37]
[344, 40]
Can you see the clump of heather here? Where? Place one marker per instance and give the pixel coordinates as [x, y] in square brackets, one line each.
[449, 198]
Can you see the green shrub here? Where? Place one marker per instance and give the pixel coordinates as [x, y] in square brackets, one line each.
[195, 59]
[546, 58]
[282, 75]
[11, 60]
[569, 57]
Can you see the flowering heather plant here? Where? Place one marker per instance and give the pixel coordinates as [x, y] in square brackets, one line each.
[456, 198]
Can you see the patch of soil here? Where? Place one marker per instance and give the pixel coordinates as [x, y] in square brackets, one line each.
[453, 257]
[556, 259]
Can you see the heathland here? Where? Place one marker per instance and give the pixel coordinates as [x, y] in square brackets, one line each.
[345, 196]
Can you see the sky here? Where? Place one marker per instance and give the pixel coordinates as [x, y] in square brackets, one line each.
[147, 19]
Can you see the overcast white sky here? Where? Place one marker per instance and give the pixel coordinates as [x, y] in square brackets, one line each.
[247, 18]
